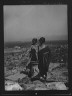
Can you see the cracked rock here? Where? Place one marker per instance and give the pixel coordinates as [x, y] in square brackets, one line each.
[56, 86]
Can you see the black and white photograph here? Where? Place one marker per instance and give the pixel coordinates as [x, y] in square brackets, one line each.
[35, 47]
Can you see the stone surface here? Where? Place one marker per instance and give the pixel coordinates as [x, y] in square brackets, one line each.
[25, 80]
[56, 77]
[53, 65]
[37, 82]
[39, 88]
[12, 86]
[29, 86]
[36, 70]
[56, 86]
[61, 86]
[57, 73]
[16, 76]
[14, 71]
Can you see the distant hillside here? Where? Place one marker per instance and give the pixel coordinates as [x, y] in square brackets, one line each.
[57, 42]
[28, 44]
[13, 44]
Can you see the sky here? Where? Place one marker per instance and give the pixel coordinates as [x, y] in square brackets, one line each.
[24, 22]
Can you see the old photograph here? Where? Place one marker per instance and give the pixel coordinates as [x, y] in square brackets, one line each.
[35, 47]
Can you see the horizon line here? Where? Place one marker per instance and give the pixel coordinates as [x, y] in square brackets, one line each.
[30, 41]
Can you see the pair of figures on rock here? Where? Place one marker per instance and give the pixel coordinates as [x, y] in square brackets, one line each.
[41, 54]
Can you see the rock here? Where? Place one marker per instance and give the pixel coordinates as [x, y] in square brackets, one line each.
[16, 76]
[9, 86]
[25, 80]
[53, 65]
[39, 88]
[37, 82]
[49, 75]
[61, 79]
[8, 82]
[56, 86]
[51, 86]
[61, 86]
[36, 70]
[8, 73]
[29, 86]
[14, 70]
[41, 85]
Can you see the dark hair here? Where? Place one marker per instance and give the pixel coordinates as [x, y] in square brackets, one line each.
[34, 41]
[42, 40]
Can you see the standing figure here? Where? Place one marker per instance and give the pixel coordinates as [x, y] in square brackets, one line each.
[33, 56]
[44, 57]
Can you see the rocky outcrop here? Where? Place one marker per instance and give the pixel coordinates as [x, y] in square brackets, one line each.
[16, 76]
[56, 86]
[12, 86]
[56, 78]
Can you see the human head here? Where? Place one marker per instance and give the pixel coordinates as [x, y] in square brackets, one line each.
[34, 41]
[41, 41]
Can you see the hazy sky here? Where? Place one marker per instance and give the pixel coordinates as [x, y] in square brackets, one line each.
[23, 22]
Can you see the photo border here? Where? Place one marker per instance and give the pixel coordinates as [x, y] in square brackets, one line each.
[69, 18]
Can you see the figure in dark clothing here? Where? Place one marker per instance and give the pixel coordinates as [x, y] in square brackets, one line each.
[44, 60]
[44, 56]
[32, 55]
